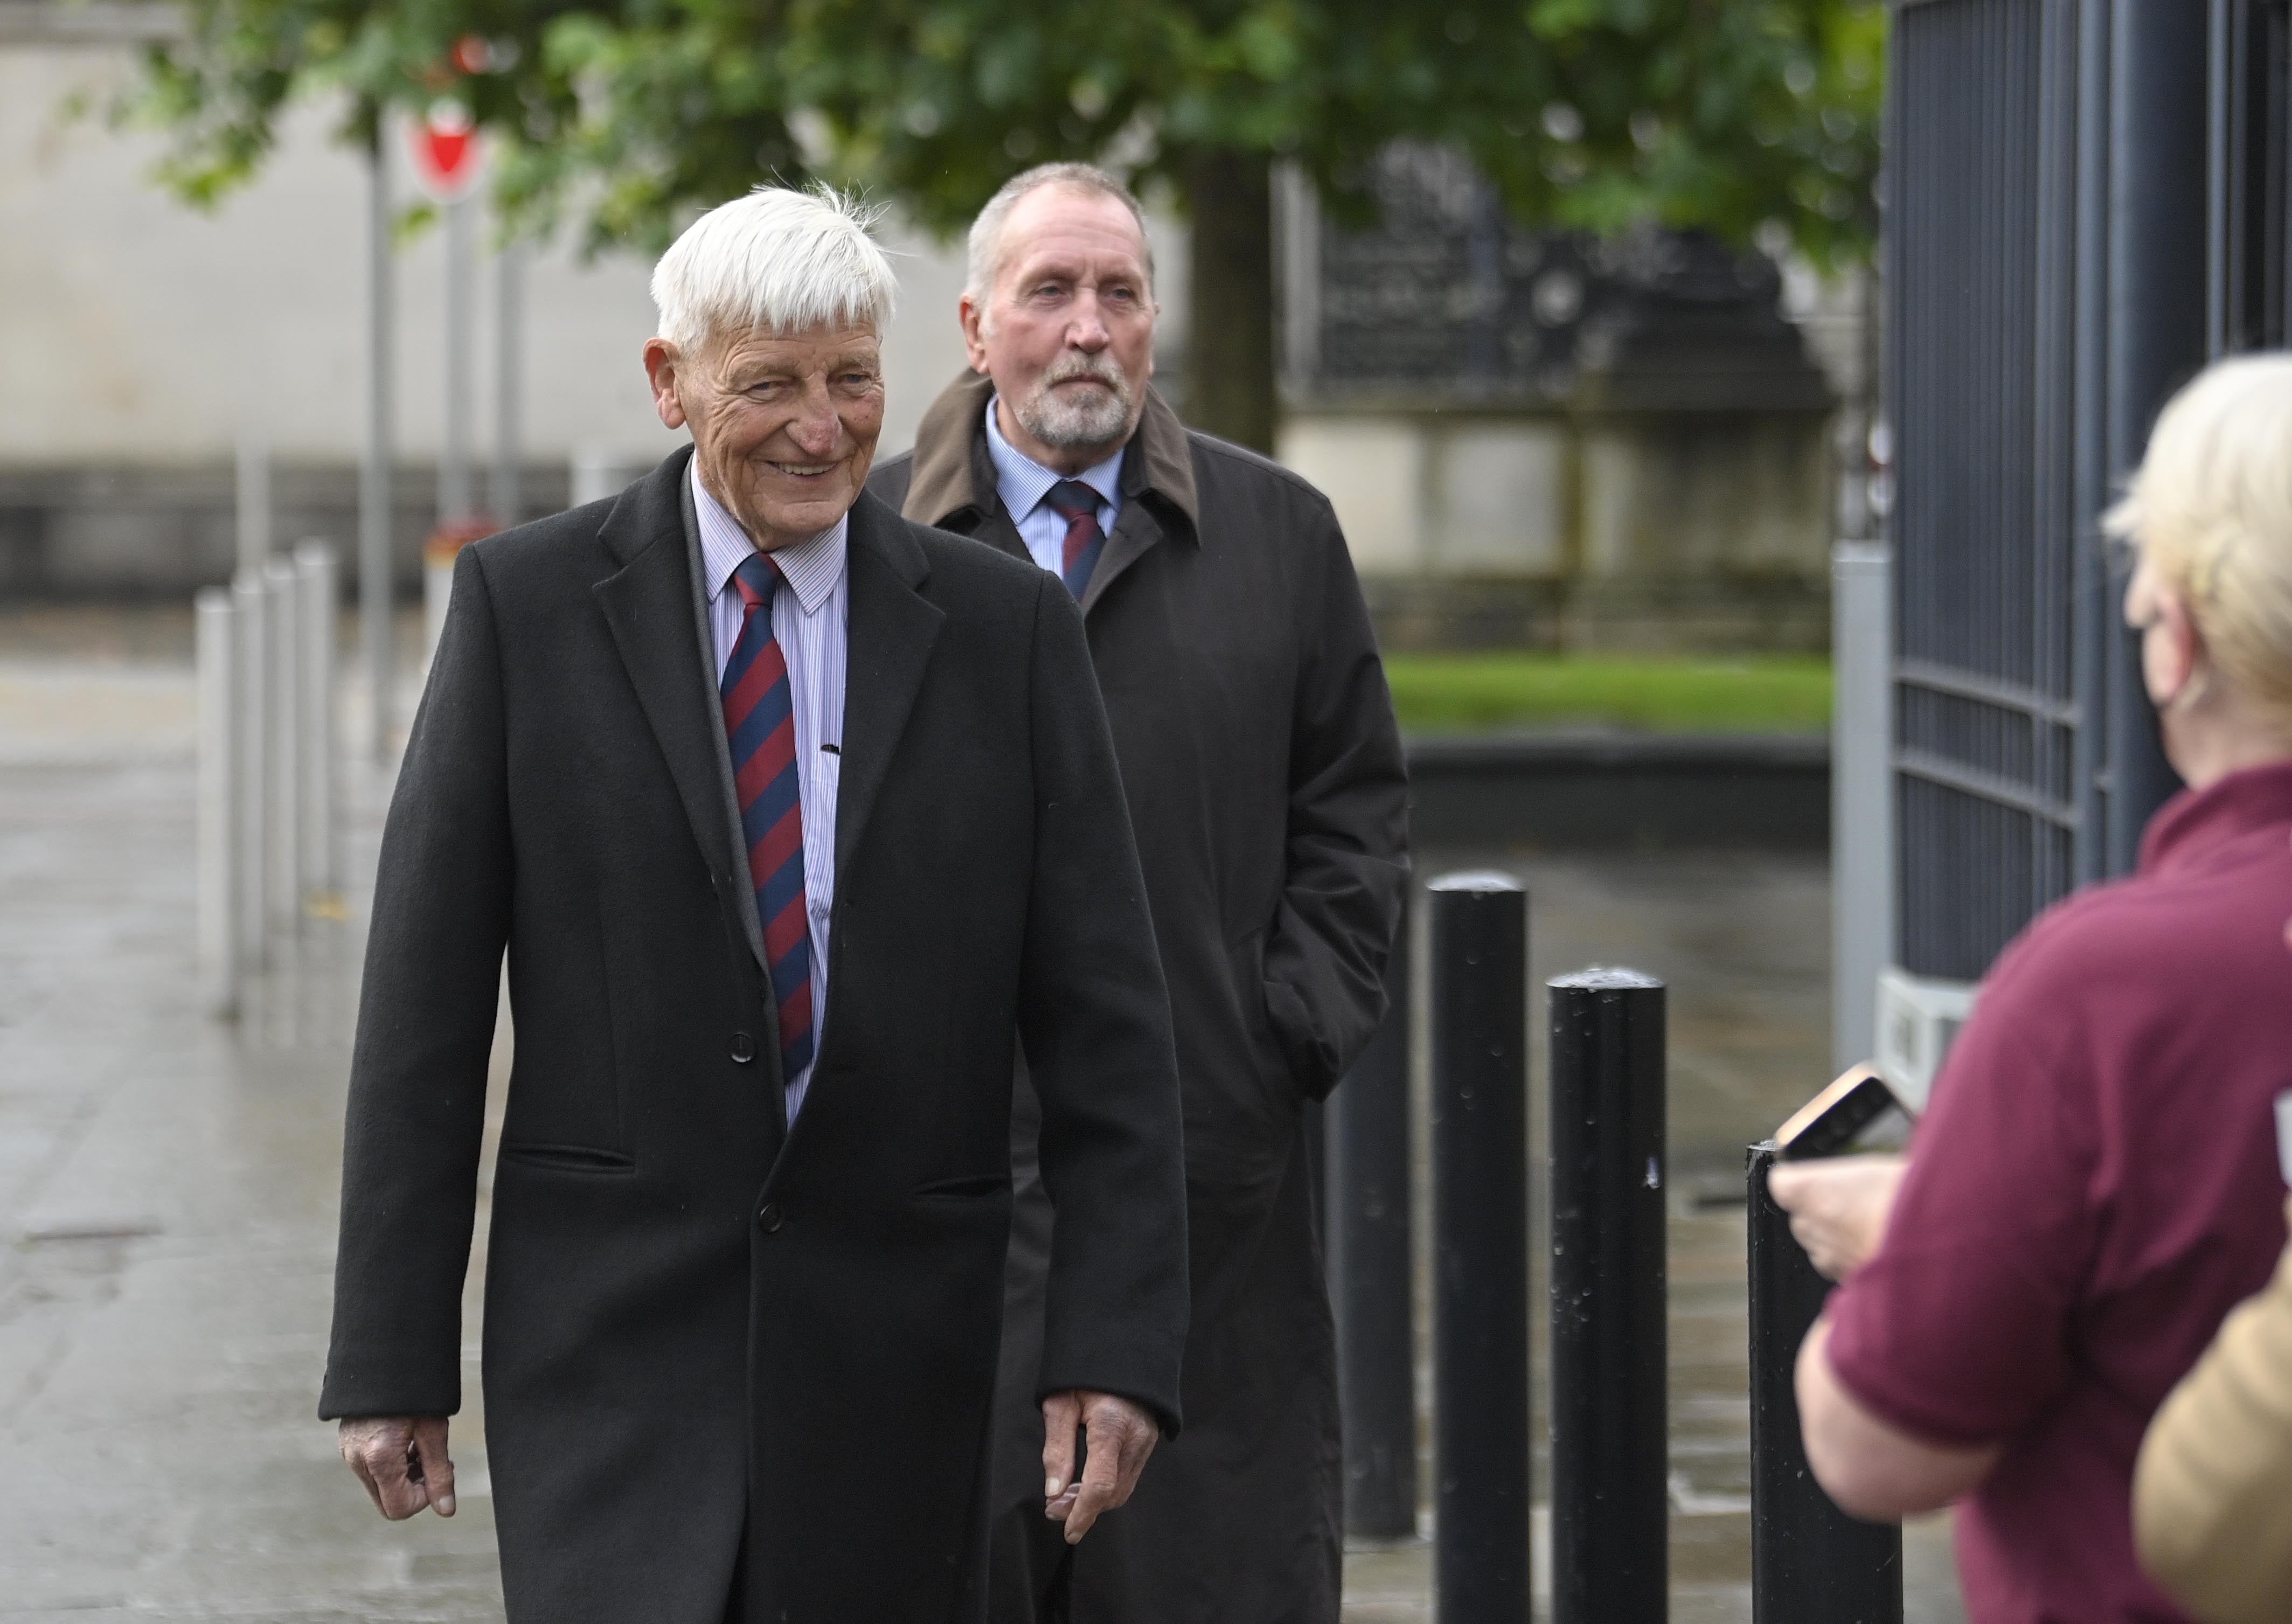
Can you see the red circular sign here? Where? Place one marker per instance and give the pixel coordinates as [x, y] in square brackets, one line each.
[447, 153]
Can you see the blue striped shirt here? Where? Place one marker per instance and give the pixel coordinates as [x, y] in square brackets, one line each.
[808, 619]
[1022, 483]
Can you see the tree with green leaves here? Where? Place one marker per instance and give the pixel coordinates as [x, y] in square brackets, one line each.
[1742, 117]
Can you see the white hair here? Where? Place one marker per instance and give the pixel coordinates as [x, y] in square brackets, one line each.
[986, 251]
[2211, 508]
[777, 260]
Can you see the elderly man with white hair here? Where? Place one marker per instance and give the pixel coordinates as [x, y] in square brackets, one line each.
[795, 821]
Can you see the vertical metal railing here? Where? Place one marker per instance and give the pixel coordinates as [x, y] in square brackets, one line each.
[2083, 201]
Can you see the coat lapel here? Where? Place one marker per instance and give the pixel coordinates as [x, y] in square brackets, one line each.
[1157, 490]
[952, 482]
[649, 604]
[1135, 531]
[892, 630]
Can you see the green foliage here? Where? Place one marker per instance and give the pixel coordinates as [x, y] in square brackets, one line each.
[1468, 693]
[628, 114]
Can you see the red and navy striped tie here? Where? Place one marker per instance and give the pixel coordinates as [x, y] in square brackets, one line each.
[760, 725]
[1077, 504]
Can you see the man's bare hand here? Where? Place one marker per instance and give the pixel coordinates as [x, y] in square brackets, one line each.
[1838, 1207]
[1117, 1437]
[401, 1460]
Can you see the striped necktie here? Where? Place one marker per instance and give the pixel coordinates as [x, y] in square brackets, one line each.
[1077, 504]
[760, 727]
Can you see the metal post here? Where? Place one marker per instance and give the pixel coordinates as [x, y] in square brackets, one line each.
[505, 493]
[315, 581]
[454, 497]
[1370, 1278]
[1610, 1505]
[2157, 282]
[1811, 1562]
[1862, 794]
[251, 686]
[283, 715]
[218, 830]
[253, 502]
[1480, 1221]
[374, 634]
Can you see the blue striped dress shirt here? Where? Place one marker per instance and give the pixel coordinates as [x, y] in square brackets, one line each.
[1022, 483]
[809, 619]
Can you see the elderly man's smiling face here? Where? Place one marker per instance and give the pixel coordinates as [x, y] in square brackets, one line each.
[784, 424]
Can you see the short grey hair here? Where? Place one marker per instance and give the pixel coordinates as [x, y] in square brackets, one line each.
[779, 260]
[987, 249]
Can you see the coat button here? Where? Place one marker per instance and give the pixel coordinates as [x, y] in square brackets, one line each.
[768, 1219]
[743, 1048]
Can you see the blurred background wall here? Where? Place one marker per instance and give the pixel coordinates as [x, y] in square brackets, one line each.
[1534, 441]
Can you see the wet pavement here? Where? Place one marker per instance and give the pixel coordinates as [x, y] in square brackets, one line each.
[167, 1187]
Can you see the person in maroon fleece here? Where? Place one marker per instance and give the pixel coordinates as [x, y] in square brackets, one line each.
[2095, 1184]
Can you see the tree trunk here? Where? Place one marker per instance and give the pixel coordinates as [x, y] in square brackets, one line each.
[1229, 383]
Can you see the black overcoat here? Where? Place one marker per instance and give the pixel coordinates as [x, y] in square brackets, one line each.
[1264, 777]
[698, 1322]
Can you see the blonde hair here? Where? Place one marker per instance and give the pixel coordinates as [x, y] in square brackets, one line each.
[2211, 508]
[777, 260]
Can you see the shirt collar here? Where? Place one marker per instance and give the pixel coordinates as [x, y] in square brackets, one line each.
[1022, 482]
[812, 567]
[2196, 821]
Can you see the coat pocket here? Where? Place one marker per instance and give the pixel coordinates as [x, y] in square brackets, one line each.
[569, 1159]
[1274, 1083]
[969, 1186]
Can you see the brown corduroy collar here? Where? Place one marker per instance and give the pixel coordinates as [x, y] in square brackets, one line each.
[950, 449]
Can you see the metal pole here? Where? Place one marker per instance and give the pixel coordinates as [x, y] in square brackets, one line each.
[314, 577]
[2157, 247]
[283, 715]
[1480, 1222]
[1862, 794]
[1811, 1562]
[506, 494]
[250, 615]
[218, 830]
[374, 634]
[253, 502]
[1369, 1272]
[1610, 1505]
[454, 497]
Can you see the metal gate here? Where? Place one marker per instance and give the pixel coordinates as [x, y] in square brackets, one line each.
[2085, 199]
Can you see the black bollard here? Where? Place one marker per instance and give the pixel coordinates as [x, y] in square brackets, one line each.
[1370, 1277]
[1811, 1562]
[1610, 1503]
[1480, 1221]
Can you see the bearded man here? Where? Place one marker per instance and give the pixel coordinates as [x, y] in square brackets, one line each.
[792, 816]
[1263, 775]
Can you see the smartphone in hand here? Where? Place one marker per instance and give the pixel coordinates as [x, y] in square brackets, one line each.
[1829, 1124]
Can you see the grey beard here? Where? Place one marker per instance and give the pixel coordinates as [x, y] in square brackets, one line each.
[1069, 423]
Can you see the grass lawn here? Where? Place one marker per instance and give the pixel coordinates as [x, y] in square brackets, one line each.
[1471, 693]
